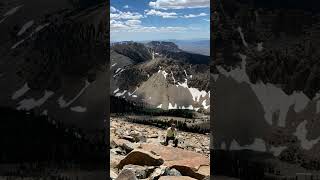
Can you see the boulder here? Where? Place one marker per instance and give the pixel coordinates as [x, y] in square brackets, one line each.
[126, 174]
[141, 157]
[115, 159]
[173, 172]
[153, 136]
[176, 178]
[113, 174]
[205, 170]
[141, 172]
[138, 137]
[125, 144]
[112, 144]
[162, 170]
[116, 151]
[129, 138]
[188, 163]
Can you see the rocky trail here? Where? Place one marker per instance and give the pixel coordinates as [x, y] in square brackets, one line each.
[136, 152]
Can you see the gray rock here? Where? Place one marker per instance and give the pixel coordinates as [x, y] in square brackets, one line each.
[173, 172]
[141, 172]
[206, 178]
[113, 174]
[162, 170]
[117, 151]
[126, 174]
[129, 138]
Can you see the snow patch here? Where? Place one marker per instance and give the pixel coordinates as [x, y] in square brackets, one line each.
[18, 43]
[204, 104]
[276, 151]
[185, 72]
[121, 94]
[173, 107]
[196, 94]
[301, 134]
[174, 80]
[160, 105]
[164, 73]
[115, 91]
[12, 11]
[257, 145]
[20, 92]
[242, 36]
[78, 109]
[40, 27]
[185, 84]
[25, 27]
[63, 104]
[130, 94]
[268, 94]
[118, 70]
[28, 104]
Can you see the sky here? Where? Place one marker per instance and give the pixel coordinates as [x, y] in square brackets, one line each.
[143, 20]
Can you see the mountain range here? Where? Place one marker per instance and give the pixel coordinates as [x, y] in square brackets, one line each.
[160, 75]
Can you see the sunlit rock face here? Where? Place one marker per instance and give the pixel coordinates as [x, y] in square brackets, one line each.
[53, 60]
[264, 77]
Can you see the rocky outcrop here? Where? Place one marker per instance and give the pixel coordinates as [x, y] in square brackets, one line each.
[149, 159]
[140, 157]
[186, 162]
[141, 172]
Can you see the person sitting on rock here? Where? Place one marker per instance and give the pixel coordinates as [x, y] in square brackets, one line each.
[172, 135]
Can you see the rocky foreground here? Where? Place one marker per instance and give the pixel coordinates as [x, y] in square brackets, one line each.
[136, 152]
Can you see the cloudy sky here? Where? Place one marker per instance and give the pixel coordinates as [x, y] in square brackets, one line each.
[140, 20]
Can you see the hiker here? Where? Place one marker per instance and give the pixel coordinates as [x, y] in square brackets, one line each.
[172, 135]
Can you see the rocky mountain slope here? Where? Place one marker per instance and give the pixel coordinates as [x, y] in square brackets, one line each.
[160, 75]
[41, 68]
[53, 78]
[265, 58]
[136, 152]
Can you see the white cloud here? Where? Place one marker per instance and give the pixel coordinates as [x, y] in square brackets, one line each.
[135, 26]
[126, 15]
[133, 22]
[117, 25]
[167, 29]
[126, 6]
[117, 14]
[208, 20]
[179, 4]
[153, 12]
[113, 9]
[195, 15]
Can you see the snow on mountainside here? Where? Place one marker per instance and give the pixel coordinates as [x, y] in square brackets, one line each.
[41, 68]
[265, 79]
[165, 77]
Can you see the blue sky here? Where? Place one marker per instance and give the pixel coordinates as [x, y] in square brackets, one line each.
[140, 20]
